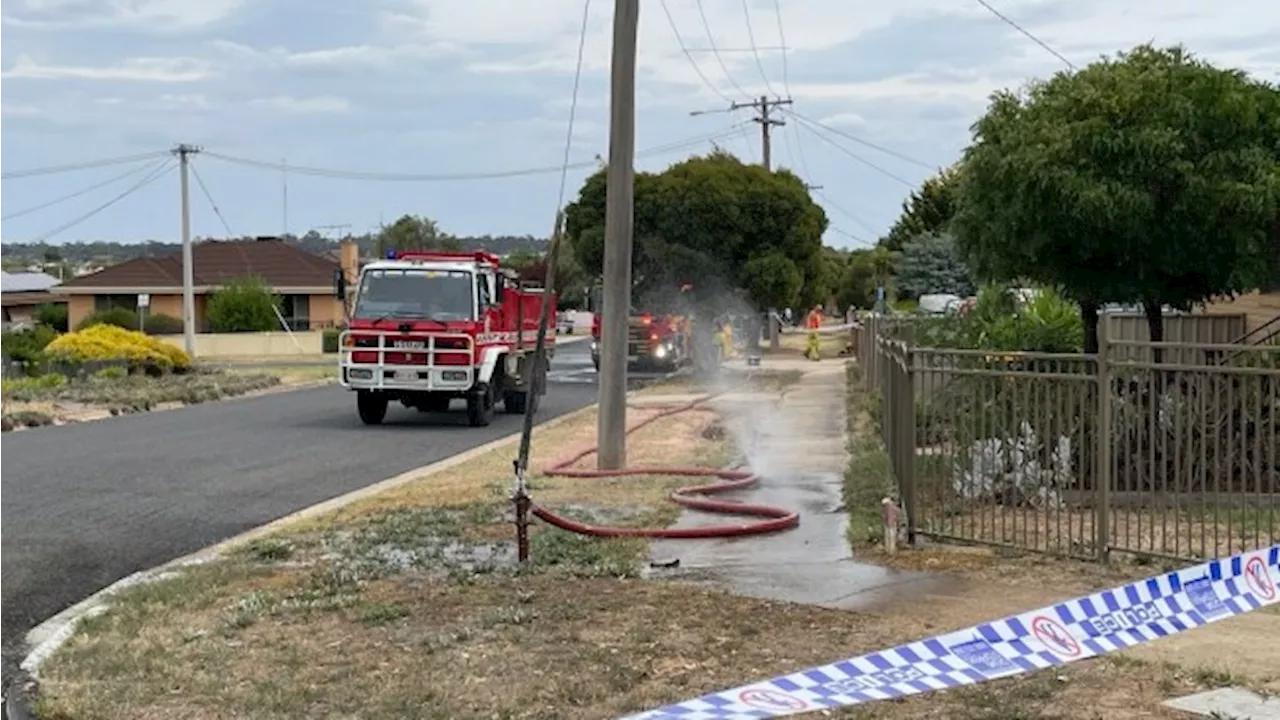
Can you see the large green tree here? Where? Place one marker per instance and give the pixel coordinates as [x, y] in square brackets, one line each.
[930, 264]
[926, 211]
[1152, 177]
[716, 223]
[413, 232]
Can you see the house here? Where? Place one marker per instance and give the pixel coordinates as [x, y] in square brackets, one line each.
[303, 280]
[1260, 307]
[23, 294]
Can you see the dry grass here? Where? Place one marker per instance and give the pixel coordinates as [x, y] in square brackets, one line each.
[408, 605]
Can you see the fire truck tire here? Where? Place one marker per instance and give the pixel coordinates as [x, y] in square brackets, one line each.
[480, 407]
[372, 407]
[515, 401]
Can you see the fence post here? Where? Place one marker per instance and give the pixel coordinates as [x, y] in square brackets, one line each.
[1102, 443]
[907, 410]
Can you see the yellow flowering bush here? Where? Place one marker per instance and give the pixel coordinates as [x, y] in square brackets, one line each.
[110, 343]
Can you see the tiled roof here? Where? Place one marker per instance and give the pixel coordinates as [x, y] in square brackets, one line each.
[26, 282]
[214, 262]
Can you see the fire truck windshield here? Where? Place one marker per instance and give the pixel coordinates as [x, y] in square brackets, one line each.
[441, 295]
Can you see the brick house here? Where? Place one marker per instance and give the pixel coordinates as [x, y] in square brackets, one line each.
[303, 280]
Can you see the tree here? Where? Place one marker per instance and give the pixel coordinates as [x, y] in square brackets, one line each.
[712, 222]
[858, 279]
[930, 264]
[413, 232]
[927, 210]
[243, 304]
[1152, 177]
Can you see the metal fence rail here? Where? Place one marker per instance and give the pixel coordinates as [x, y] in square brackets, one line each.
[1158, 449]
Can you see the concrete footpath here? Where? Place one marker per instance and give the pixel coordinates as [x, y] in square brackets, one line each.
[797, 444]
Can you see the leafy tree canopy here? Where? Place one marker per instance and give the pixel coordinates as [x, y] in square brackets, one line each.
[1151, 177]
[715, 223]
[413, 232]
[927, 210]
[930, 264]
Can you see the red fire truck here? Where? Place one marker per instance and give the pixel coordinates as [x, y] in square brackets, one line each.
[654, 341]
[426, 328]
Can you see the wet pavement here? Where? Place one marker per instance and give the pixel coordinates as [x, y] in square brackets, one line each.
[797, 444]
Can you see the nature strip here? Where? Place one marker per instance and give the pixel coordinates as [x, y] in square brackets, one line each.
[1093, 625]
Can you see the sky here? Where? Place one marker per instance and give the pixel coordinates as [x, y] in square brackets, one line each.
[442, 88]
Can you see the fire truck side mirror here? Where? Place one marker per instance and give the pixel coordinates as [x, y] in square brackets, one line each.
[339, 284]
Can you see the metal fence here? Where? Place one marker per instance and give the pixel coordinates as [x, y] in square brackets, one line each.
[1157, 449]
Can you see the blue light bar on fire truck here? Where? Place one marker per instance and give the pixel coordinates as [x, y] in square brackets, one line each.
[479, 256]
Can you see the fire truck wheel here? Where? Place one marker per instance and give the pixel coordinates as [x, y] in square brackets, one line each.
[480, 406]
[515, 401]
[372, 407]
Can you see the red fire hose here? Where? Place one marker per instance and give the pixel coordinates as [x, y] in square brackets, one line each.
[778, 518]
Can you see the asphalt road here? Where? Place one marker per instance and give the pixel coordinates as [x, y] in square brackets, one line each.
[88, 504]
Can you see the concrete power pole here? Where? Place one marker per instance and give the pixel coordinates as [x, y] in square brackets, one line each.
[767, 123]
[184, 153]
[611, 427]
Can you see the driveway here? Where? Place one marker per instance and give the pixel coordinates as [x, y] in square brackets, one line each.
[88, 504]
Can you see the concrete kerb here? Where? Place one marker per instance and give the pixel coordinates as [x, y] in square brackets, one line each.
[44, 639]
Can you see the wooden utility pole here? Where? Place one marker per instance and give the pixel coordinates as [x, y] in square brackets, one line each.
[767, 122]
[184, 153]
[611, 423]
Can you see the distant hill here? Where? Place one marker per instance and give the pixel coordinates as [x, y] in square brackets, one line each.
[110, 253]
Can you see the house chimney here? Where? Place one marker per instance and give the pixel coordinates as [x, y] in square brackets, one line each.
[350, 260]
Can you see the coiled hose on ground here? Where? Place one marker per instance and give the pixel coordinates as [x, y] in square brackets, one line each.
[692, 496]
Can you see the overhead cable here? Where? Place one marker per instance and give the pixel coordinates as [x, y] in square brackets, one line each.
[85, 191]
[430, 177]
[150, 178]
[51, 169]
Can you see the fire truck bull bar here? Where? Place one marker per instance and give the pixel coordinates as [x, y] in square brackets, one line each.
[421, 377]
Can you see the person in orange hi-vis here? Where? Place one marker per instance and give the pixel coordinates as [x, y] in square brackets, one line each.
[812, 323]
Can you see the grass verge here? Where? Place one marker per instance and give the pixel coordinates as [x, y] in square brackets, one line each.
[408, 604]
[46, 399]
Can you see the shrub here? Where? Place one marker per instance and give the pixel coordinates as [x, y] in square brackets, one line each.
[161, 324]
[53, 315]
[106, 342]
[117, 316]
[329, 340]
[27, 345]
[243, 305]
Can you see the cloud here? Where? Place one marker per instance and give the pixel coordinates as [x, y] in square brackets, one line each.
[343, 58]
[157, 15]
[139, 69]
[844, 119]
[322, 105]
[20, 110]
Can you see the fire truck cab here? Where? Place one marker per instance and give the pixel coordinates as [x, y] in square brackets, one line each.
[426, 328]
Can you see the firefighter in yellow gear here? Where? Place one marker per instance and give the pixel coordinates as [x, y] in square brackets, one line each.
[726, 340]
[813, 344]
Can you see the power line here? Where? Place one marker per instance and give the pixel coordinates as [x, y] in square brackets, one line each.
[207, 196]
[689, 56]
[865, 143]
[150, 178]
[1027, 33]
[755, 52]
[101, 184]
[848, 234]
[863, 223]
[573, 103]
[782, 38]
[416, 177]
[859, 158]
[51, 169]
[711, 42]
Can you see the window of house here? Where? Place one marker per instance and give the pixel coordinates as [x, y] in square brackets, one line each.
[296, 310]
[102, 303]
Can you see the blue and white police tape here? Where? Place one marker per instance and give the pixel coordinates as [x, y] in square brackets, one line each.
[1110, 620]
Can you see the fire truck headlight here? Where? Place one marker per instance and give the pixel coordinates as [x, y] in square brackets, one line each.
[661, 352]
[360, 374]
[453, 375]
[595, 346]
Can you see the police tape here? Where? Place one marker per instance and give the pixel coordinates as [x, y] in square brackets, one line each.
[1100, 623]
